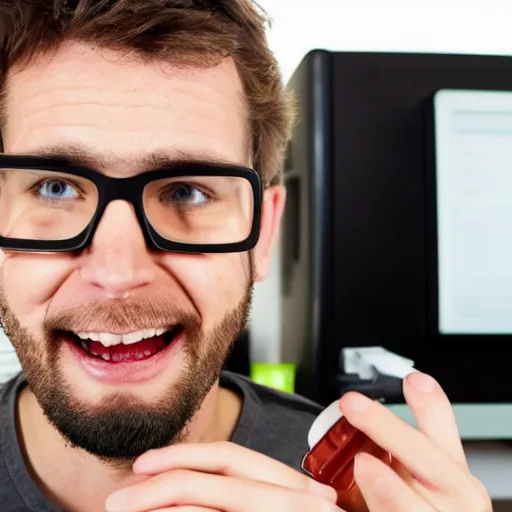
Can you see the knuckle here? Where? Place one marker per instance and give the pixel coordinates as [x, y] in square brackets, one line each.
[180, 483]
[322, 490]
[306, 502]
[224, 445]
[480, 499]
[179, 477]
[473, 495]
[225, 456]
[225, 448]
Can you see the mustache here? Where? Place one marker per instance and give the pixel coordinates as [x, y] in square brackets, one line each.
[121, 317]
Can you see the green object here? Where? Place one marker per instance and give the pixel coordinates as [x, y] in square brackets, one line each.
[280, 376]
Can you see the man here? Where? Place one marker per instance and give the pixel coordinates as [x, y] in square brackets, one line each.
[139, 202]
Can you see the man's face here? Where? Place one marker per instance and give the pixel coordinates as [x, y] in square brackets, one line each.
[120, 113]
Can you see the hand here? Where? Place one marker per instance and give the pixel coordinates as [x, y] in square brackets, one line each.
[431, 473]
[219, 477]
[431, 476]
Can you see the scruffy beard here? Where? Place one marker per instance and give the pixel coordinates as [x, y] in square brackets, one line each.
[123, 426]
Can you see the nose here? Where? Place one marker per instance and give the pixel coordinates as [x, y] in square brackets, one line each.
[118, 260]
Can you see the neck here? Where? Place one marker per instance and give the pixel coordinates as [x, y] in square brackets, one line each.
[70, 477]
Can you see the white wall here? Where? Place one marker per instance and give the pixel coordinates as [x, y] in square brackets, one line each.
[451, 26]
[460, 26]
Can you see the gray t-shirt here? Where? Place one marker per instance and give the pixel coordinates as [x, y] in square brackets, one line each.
[272, 423]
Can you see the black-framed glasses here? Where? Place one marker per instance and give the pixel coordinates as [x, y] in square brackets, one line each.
[51, 205]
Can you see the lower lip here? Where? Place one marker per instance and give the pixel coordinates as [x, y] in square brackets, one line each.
[124, 373]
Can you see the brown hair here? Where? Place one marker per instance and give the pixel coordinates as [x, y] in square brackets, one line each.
[185, 32]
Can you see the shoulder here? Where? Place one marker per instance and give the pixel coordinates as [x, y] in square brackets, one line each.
[8, 392]
[11, 496]
[272, 422]
[11, 387]
[271, 401]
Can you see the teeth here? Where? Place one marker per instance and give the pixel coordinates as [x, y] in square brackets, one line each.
[108, 339]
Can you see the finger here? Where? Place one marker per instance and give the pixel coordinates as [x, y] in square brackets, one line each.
[472, 497]
[228, 459]
[425, 461]
[229, 494]
[383, 490]
[434, 415]
[186, 508]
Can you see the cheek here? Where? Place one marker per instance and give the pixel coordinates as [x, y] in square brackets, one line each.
[29, 281]
[216, 283]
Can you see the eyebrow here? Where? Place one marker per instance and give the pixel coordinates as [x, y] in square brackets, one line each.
[81, 156]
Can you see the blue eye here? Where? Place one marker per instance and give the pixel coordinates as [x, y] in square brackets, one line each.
[56, 189]
[189, 194]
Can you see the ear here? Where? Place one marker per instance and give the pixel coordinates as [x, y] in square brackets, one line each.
[274, 199]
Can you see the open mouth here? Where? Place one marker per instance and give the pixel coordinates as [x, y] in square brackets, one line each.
[126, 348]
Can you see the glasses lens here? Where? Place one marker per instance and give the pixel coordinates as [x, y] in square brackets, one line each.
[200, 209]
[45, 205]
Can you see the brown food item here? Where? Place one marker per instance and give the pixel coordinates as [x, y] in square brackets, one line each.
[331, 462]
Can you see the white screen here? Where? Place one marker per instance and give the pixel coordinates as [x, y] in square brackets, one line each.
[474, 211]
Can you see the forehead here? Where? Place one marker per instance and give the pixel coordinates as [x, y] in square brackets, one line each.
[124, 108]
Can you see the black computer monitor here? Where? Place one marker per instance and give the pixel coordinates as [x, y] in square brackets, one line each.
[372, 254]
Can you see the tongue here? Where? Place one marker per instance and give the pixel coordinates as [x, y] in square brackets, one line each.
[127, 353]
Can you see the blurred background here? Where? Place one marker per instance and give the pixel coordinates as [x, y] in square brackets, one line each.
[467, 27]
[441, 26]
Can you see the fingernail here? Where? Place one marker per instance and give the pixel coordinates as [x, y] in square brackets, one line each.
[117, 502]
[422, 382]
[360, 456]
[354, 402]
[360, 460]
